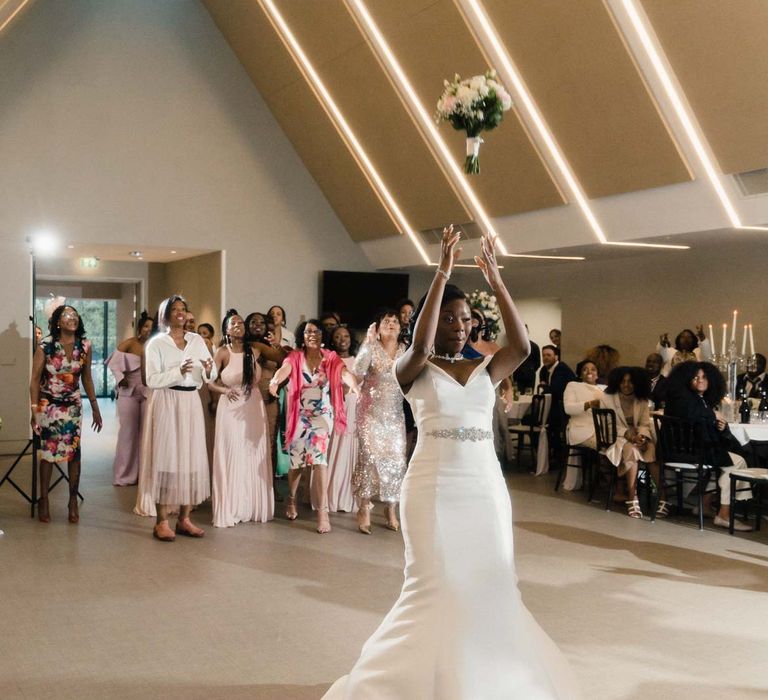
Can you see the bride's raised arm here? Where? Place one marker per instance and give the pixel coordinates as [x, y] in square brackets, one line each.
[415, 358]
[517, 348]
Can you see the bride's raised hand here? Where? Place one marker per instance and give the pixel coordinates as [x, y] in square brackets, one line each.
[449, 252]
[487, 263]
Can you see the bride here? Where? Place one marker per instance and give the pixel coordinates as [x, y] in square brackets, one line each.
[459, 630]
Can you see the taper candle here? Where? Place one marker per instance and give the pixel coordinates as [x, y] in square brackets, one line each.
[744, 341]
[725, 331]
[751, 341]
[733, 330]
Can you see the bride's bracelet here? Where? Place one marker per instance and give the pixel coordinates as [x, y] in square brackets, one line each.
[444, 274]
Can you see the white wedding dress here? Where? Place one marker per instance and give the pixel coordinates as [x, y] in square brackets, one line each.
[459, 630]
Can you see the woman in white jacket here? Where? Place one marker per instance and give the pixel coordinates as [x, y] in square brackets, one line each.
[579, 399]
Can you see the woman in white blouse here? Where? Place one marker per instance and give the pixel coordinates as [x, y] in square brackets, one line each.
[174, 460]
[283, 337]
[579, 399]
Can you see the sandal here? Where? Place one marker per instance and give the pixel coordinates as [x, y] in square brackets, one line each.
[290, 508]
[323, 521]
[633, 509]
[663, 510]
[185, 527]
[162, 532]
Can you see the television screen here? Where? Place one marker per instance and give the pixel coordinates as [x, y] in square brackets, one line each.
[358, 296]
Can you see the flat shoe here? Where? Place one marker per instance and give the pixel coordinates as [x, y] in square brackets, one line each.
[163, 538]
[737, 524]
[197, 532]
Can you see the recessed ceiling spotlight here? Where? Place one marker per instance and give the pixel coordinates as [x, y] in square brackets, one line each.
[173, 252]
[70, 246]
[135, 253]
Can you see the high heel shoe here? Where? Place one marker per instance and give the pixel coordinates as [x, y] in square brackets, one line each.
[364, 520]
[323, 520]
[392, 521]
[290, 508]
[43, 514]
[74, 513]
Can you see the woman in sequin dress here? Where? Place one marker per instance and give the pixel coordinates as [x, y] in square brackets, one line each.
[381, 460]
[60, 362]
[314, 408]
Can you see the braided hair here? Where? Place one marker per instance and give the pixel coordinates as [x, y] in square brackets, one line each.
[248, 361]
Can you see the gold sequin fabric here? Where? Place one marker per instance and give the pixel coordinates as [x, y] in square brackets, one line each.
[381, 460]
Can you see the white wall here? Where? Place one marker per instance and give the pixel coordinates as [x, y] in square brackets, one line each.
[133, 122]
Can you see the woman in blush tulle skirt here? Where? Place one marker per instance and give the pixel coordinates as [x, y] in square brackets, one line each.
[242, 463]
[342, 452]
[459, 630]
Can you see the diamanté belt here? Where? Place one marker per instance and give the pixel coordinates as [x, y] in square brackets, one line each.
[463, 434]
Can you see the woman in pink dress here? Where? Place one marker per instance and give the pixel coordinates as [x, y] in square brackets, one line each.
[242, 463]
[125, 365]
[342, 452]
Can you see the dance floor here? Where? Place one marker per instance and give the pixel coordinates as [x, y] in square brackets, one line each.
[275, 611]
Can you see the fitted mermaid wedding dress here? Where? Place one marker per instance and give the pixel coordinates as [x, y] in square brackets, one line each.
[459, 630]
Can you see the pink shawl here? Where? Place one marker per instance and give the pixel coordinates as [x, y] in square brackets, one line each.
[333, 366]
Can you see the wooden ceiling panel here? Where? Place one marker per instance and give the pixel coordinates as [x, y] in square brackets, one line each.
[433, 44]
[375, 113]
[721, 65]
[590, 92]
[300, 115]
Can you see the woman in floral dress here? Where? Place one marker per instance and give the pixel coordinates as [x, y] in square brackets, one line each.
[315, 407]
[60, 362]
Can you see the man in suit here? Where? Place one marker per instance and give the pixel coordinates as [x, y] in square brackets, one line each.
[525, 374]
[653, 365]
[553, 378]
[753, 383]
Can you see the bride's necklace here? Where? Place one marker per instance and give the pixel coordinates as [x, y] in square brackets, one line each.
[449, 358]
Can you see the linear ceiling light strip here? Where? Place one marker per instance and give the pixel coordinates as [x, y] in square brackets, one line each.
[10, 17]
[513, 76]
[361, 14]
[308, 70]
[641, 26]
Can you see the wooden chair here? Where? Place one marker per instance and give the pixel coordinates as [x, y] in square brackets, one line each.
[605, 435]
[539, 413]
[681, 449]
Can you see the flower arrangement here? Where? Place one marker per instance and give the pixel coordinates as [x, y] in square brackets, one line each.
[473, 105]
[487, 305]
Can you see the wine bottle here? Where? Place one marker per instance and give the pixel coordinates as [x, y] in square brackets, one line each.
[762, 409]
[744, 408]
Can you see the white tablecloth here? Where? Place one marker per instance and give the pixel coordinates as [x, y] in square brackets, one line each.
[517, 410]
[746, 432]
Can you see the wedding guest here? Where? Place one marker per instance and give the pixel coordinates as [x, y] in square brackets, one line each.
[525, 375]
[653, 364]
[381, 460]
[125, 365]
[753, 383]
[694, 390]
[606, 359]
[627, 394]
[242, 463]
[330, 320]
[38, 337]
[580, 397]
[315, 407]
[553, 377]
[555, 336]
[60, 363]
[342, 452]
[689, 345]
[207, 333]
[283, 337]
[405, 309]
[190, 323]
[174, 461]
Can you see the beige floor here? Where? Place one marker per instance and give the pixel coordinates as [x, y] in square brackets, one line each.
[100, 610]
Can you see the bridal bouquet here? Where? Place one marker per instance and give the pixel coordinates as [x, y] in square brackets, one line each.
[486, 304]
[473, 105]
